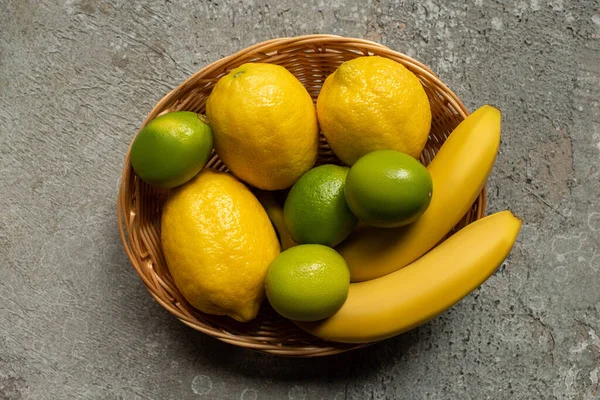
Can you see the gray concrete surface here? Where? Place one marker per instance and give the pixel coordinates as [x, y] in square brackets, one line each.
[77, 77]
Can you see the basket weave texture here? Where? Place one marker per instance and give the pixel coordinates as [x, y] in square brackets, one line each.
[311, 59]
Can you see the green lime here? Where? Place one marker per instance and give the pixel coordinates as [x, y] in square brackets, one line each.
[171, 149]
[315, 210]
[387, 188]
[308, 282]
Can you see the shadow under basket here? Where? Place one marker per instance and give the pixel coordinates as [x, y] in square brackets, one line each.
[311, 59]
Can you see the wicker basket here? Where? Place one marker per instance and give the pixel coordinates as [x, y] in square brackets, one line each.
[311, 59]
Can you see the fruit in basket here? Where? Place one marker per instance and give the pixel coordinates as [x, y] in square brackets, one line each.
[308, 282]
[265, 126]
[459, 172]
[315, 209]
[387, 306]
[218, 242]
[171, 149]
[373, 103]
[275, 213]
[387, 188]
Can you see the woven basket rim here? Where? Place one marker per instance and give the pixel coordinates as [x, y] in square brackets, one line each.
[308, 39]
[259, 48]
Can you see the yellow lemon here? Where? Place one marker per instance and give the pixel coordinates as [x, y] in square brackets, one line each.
[218, 242]
[264, 125]
[373, 103]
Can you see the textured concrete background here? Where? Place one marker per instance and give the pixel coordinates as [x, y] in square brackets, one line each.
[77, 78]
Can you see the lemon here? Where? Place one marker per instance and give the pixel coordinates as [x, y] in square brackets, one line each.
[171, 149]
[218, 242]
[315, 210]
[308, 282]
[387, 188]
[264, 124]
[373, 103]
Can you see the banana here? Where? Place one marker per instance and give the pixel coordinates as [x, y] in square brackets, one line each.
[275, 213]
[395, 303]
[459, 172]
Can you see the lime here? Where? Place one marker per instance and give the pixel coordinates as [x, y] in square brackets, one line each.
[387, 188]
[308, 282]
[315, 210]
[171, 149]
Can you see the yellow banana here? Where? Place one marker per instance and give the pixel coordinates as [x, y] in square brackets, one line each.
[275, 213]
[395, 303]
[459, 172]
